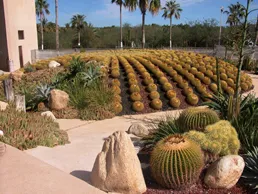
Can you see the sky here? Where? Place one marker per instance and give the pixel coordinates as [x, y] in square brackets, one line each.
[102, 13]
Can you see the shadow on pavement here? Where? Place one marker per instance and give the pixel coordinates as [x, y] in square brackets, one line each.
[81, 174]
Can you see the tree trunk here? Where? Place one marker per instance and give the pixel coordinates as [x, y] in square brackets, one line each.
[57, 28]
[121, 27]
[79, 38]
[170, 40]
[241, 53]
[41, 29]
[143, 30]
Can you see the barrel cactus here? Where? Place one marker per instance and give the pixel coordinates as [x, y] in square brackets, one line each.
[156, 104]
[197, 118]
[138, 106]
[176, 162]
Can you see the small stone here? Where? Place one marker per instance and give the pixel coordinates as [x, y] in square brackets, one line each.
[138, 130]
[49, 114]
[17, 75]
[1, 133]
[225, 172]
[58, 99]
[54, 64]
[117, 167]
[1, 72]
[3, 105]
[41, 106]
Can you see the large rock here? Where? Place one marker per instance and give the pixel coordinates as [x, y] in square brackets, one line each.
[17, 75]
[49, 114]
[117, 167]
[138, 130]
[58, 100]
[54, 64]
[224, 173]
[3, 105]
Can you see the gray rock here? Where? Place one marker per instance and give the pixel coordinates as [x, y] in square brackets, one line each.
[138, 130]
[3, 105]
[49, 114]
[225, 172]
[54, 64]
[117, 167]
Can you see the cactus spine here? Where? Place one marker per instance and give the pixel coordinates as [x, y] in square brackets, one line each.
[176, 162]
[197, 118]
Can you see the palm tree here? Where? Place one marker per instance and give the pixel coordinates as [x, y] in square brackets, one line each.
[78, 23]
[121, 3]
[235, 13]
[42, 8]
[57, 27]
[171, 9]
[144, 5]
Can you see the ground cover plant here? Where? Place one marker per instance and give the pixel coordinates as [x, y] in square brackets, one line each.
[142, 80]
[29, 130]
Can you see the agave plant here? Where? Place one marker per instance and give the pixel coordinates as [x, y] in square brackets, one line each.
[43, 92]
[250, 174]
[92, 74]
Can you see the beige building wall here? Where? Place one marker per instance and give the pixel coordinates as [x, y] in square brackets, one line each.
[20, 16]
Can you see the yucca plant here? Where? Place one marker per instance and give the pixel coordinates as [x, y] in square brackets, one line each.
[91, 74]
[250, 174]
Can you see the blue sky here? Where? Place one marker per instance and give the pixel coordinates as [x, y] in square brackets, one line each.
[103, 13]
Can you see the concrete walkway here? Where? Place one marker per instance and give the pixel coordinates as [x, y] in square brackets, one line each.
[77, 158]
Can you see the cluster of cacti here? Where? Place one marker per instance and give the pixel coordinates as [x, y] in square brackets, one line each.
[176, 162]
[219, 139]
[197, 118]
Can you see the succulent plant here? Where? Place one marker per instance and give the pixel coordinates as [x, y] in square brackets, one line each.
[156, 104]
[175, 102]
[213, 87]
[117, 107]
[244, 86]
[176, 162]
[135, 96]
[117, 98]
[171, 94]
[218, 139]
[43, 92]
[134, 88]
[116, 82]
[250, 174]
[116, 89]
[167, 86]
[152, 87]
[206, 80]
[197, 118]
[187, 91]
[145, 75]
[148, 80]
[132, 81]
[163, 80]
[154, 95]
[138, 106]
[131, 76]
[115, 73]
[192, 99]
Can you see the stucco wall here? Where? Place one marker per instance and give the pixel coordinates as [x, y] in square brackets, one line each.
[20, 15]
[3, 43]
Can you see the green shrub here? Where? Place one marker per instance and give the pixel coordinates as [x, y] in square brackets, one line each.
[29, 69]
[76, 66]
[197, 119]
[250, 174]
[29, 130]
[171, 165]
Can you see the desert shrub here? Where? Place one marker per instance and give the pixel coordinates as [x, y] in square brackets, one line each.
[29, 69]
[29, 130]
[76, 66]
[95, 113]
[250, 174]
[174, 151]
[160, 128]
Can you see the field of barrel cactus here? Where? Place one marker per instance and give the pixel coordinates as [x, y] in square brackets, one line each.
[150, 80]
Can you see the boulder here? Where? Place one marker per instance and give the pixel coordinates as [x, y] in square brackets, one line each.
[58, 99]
[49, 114]
[138, 130]
[117, 167]
[1, 133]
[225, 172]
[2, 148]
[17, 75]
[3, 105]
[54, 64]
